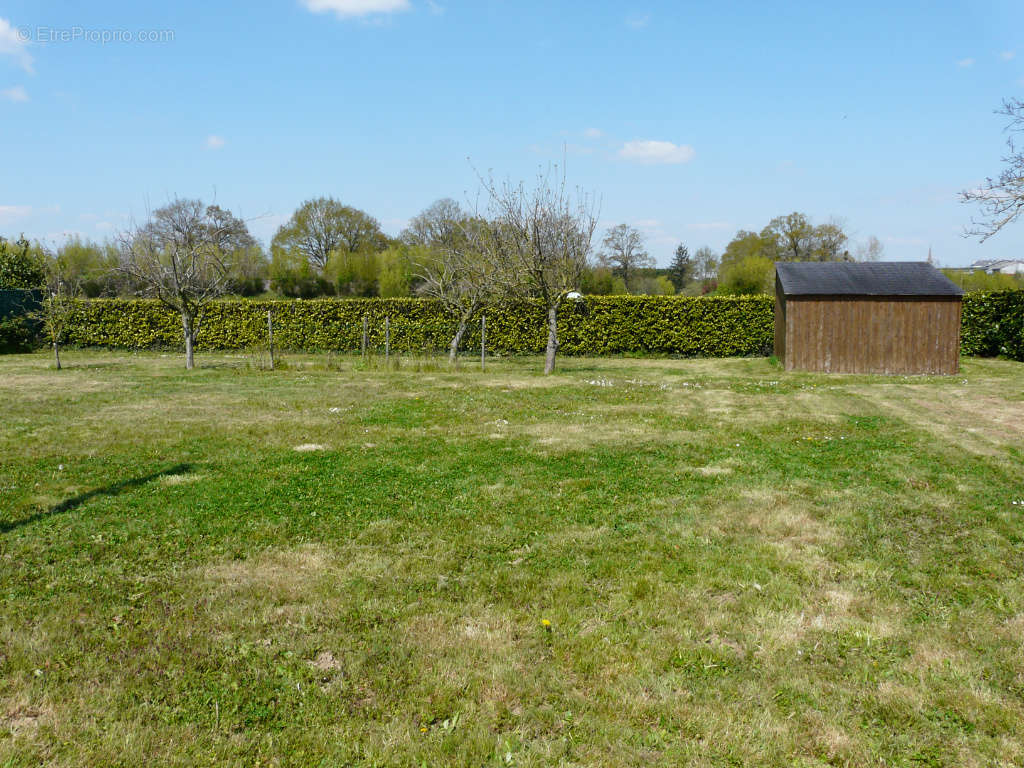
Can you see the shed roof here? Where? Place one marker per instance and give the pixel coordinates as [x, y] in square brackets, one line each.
[878, 278]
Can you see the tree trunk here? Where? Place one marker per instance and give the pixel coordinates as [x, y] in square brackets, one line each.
[186, 327]
[549, 360]
[453, 349]
[56, 353]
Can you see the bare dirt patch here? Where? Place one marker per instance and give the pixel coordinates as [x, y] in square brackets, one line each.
[325, 661]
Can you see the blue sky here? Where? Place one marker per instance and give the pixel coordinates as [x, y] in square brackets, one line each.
[689, 121]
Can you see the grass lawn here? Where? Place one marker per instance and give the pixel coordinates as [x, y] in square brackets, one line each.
[740, 566]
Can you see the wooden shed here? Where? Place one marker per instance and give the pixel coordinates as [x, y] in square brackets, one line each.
[875, 317]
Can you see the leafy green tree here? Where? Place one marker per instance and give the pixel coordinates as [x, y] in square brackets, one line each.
[597, 281]
[323, 226]
[830, 242]
[91, 269]
[751, 275]
[744, 245]
[975, 280]
[654, 286]
[788, 238]
[22, 264]
[250, 271]
[394, 272]
[292, 275]
[353, 273]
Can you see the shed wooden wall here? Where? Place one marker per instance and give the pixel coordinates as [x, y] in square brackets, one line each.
[853, 334]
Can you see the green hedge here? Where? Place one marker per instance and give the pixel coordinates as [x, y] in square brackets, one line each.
[993, 324]
[713, 327]
[19, 328]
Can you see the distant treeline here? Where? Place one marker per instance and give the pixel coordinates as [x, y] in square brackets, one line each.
[330, 249]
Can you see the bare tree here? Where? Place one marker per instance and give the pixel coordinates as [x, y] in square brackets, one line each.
[623, 250]
[705, 264]
[454, 271]
[1001, 200]
[438, 226]
[538, 242]
[870, 250]
[182, 256]
[57, 306]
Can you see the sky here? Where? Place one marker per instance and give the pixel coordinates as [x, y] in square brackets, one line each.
[689, 121]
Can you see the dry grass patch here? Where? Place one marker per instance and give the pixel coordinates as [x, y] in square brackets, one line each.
[23, 719]
[481, 633]
[281, 574]
[966, 418]
[575, 436]
[309, 447]
[712, 470]
[182, 479]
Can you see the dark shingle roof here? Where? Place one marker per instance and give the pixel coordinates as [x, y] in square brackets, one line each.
[879, 278]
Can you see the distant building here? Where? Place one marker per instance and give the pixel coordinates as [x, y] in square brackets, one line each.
[1000, 266]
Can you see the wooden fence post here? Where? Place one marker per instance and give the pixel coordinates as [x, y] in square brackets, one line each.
[270, 337]
[387, 341]
[363, 348]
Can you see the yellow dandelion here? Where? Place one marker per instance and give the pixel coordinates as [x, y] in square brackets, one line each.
[423, 729]
[546, 623]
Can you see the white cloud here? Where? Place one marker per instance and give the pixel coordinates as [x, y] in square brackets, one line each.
[965, 63]
[435, 8]
[593, 133]
[346, 9]
[14, 42]
[1007, 55]
[17, 93]
[213, 141]
[638, 22]
[651, 152]
[9, 213]
[647, 223]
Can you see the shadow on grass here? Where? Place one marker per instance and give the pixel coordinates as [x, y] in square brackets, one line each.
[113, 489]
